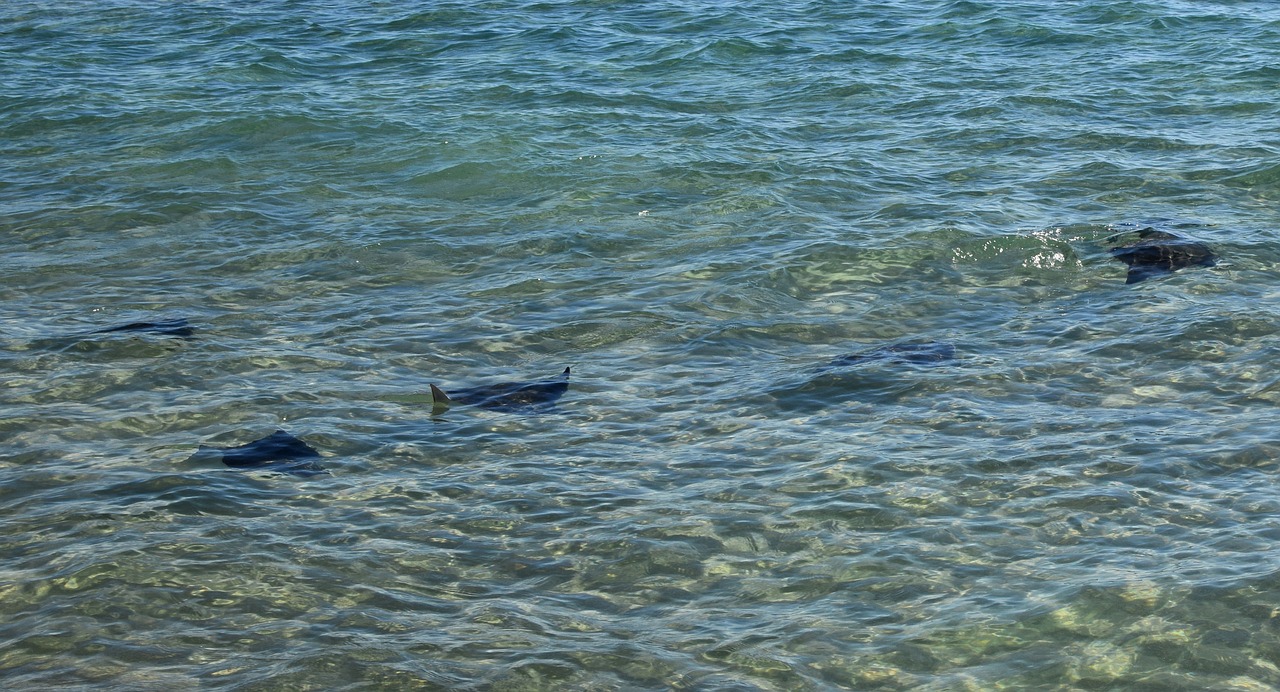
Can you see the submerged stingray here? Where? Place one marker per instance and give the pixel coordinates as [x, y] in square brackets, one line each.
[881, 374]
[913, 352]
[513, 397]
[1155, 253]
[174, 327]
[278, 451]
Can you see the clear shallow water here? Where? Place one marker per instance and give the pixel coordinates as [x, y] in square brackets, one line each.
[696, 206]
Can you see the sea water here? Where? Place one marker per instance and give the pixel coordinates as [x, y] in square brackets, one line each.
[697, 206]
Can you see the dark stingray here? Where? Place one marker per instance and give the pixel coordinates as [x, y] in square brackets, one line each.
[1156, 253]
[883, 374]
[512, 397]
[174, 327]
[278, 451]
[913, 352]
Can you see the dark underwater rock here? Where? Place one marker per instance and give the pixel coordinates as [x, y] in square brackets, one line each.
[511, 397]
[1156, 253]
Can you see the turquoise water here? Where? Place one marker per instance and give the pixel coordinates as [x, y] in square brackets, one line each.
[696, 206]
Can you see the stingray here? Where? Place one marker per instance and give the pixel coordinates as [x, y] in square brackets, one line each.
[911, 352]
[512, 397]
[278, 451]
[882, 373]
[1156, 253]
[174, 327]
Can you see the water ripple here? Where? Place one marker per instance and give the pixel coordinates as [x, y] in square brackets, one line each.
[698, 207]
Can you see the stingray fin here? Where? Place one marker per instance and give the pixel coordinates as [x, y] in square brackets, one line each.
[439, 400]
[1142, 273]
[1149, 233]
[565, 374]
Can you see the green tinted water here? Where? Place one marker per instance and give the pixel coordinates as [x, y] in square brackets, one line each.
[697, 207]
